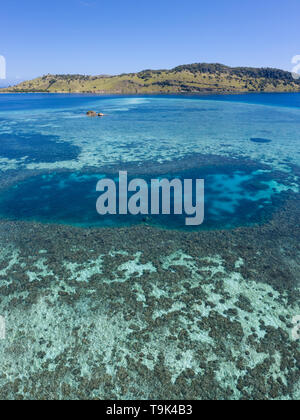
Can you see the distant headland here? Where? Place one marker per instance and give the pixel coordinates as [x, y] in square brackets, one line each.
[193, 78]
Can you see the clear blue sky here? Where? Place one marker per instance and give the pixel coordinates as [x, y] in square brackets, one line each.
[116, 36]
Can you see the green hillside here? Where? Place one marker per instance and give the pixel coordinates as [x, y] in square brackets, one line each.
[194, 78]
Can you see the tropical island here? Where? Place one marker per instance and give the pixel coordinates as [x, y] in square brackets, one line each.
[193, 78]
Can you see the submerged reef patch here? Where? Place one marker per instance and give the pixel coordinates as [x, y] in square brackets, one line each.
[106, 314]
[36, 148]
[260, 140]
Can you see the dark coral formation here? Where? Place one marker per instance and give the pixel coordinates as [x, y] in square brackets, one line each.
[260, 140]
[145, 313]
[36, 148]
[107, 314]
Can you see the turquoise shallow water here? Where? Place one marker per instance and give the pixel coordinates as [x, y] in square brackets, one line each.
[138, 129]
[52, 132]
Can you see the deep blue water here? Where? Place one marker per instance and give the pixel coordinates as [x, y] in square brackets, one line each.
[10, 102]
[36, 148]
[233, 197]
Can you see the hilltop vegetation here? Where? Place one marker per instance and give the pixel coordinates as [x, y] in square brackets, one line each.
[193, 78]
